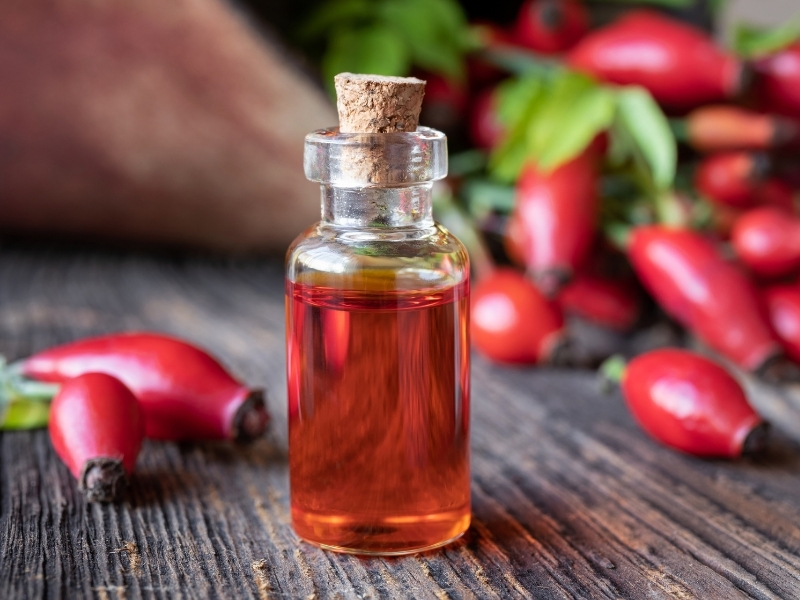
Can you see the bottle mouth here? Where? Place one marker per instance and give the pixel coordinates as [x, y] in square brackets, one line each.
[375, 159]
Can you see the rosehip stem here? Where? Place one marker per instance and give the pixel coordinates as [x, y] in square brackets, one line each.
[618, 234]
[485, 197]
[611, 371]
[24, 404]
[520, 62]
[680, 130]
[467, 162]
[669, 210]
[23, 414]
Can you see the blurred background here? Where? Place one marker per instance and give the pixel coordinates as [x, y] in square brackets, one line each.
[769, 12]
[181, 126]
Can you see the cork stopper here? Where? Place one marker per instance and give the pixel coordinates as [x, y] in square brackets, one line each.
[378, 142]
[378, 104]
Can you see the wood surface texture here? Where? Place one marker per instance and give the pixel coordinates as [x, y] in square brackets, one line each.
[570, 499]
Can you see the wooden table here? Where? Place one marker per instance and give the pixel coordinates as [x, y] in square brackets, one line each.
[570, 499]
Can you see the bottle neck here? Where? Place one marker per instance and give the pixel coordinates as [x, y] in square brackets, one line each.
[378, 207]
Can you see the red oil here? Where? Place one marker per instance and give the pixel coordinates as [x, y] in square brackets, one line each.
[378, 417]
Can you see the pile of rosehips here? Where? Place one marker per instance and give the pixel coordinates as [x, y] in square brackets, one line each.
[705, 225]
[111, 392]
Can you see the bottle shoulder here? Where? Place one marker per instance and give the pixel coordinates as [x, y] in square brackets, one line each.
[396, 258]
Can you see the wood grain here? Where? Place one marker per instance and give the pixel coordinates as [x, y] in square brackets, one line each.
[570, 499]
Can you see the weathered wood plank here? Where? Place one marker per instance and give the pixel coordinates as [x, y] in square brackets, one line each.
[570, 499]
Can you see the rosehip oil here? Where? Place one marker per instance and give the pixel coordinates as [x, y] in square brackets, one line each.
[379, 417]
[377, 311]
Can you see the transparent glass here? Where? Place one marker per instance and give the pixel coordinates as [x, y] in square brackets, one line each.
[377, 309]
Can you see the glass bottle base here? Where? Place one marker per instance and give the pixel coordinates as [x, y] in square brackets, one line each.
[390, 536]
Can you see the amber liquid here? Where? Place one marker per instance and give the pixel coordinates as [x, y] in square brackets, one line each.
[378, 417]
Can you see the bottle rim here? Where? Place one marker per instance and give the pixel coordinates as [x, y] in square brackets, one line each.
[375, 159]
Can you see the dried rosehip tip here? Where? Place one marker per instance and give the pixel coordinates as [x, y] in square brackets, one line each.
[251, 419]
[103, 479]
[550, 281]
[550, 26]
[778, 369]
[756, 440]
[552, 15]
[724, 127]
[97, 427]
[733, 178]
[743, 78]
[561, 352]
[785, 132]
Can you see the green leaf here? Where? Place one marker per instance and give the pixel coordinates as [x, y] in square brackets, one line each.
[24, 403]
[751, 42]
[484, 196]
[619, 148]
[20, 387]
[515, 97]
[717, 6]
[590, 114]
[644, 128]
[429, 32]
[25, 414]
[613, 368]
[549, 120]
[466, 162]
[333, 14]
[516, 104]
[387, 37]
[618, 234]
[555, 110]
[452, 22]
[519, 61]
[375, 49]
[507, 161]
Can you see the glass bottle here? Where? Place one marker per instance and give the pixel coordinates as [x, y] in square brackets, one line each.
[377, 310]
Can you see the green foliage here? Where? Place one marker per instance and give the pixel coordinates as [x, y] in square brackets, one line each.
[551, 119]
[483, 197]
[752, 42]
[516, 109]
[717, 6]
[389, 37]
[25, 414]
[24, 403]
[331, 15]
[589, 114]
[373, 49]
[466, 163]
[519, 61]
[642, 132]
